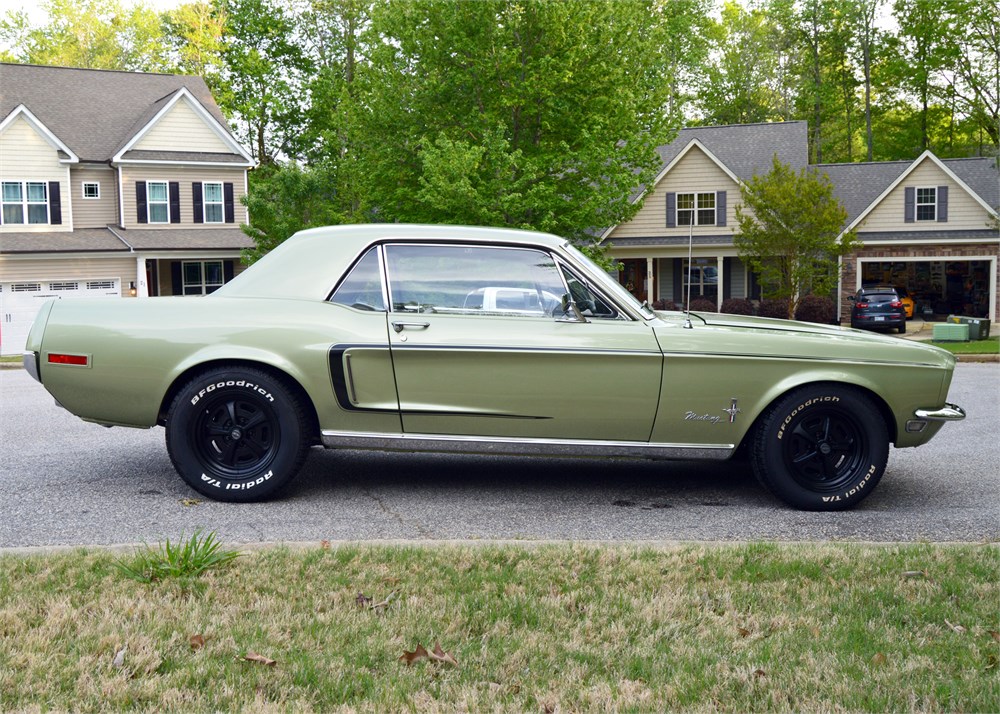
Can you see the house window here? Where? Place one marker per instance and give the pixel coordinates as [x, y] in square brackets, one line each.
[202, 278]
[212, 193]
[927, 204]
[91, 189]
[696, 209]
[30, 199]
[157, 202]
[703, 278]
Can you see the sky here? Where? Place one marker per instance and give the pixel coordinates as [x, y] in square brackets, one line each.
[37, 15]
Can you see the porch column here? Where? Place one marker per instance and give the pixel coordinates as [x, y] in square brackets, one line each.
[141, 288]
[649, 281]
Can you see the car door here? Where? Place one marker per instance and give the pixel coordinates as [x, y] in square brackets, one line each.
[509, 367]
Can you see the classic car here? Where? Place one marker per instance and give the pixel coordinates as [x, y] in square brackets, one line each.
[366, 337]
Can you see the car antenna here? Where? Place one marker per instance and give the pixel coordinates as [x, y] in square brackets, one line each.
[687, 306]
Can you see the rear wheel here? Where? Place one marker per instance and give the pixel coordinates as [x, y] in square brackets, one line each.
[821, 448]
[237, 434]
[902, 327]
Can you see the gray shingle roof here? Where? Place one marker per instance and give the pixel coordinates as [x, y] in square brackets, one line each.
[186, 239]
[94, 112]
[199, 156]
[746, 149]
[85, 240]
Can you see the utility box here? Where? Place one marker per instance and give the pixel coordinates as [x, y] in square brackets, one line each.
[979, 327]
[950, 332]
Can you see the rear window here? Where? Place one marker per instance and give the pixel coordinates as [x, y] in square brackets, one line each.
[881, 297]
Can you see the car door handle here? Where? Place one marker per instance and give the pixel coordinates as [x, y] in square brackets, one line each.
[400, 326]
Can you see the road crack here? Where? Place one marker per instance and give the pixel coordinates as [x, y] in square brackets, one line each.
[397, 516]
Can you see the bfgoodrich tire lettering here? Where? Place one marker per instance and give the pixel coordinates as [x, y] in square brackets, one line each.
[237, 434]
[821, 448]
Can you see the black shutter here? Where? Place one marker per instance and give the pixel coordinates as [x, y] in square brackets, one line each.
[55, 204]
[175, 202]
[909, 204]
[199, 207]
[942, 204]
[720, 208]
[671, 210]
[176, 282]
[727, 277]
[227, 271]
[227, 196]
[678, 281]
[141, 213]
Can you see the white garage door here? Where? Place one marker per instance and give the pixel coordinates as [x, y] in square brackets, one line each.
[20, 302]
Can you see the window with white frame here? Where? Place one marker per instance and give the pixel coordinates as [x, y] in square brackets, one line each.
[212, 194]
[927, 204]
[158, 202]
[26, 202]
[696, 209]
[91, 189]
[202, 278]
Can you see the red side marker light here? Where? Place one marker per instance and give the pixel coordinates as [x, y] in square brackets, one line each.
[78, 360]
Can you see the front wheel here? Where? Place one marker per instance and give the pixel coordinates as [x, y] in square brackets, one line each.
[237, 434]
[821, 448]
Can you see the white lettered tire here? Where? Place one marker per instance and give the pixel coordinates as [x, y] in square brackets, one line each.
[237, 434]
[821, 447]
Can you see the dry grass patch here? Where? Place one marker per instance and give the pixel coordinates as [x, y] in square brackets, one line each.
[554, 628]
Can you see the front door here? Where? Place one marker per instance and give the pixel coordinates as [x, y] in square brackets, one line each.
[633, 277]
[480, 347]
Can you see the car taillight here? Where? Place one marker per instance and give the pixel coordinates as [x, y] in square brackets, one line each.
[861, 304]
[895, 303]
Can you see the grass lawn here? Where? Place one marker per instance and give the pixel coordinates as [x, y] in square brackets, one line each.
[989, 346]
[762, 627]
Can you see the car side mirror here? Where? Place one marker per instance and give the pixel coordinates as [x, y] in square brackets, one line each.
[850, 298]
[571, 313]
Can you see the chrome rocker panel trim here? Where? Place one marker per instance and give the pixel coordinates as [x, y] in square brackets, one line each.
[524, 447]
[949, 412]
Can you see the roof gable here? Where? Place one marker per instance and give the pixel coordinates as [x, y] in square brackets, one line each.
[67, 157]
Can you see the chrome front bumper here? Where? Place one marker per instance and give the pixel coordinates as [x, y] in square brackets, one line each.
[949, 412]
[30, 362]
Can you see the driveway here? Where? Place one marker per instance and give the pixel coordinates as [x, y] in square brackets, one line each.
[66, 482]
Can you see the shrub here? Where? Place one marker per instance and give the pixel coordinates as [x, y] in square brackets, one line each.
[702, 305]
[816, 308]
[774, 308]
[664, 305]
[737, 306]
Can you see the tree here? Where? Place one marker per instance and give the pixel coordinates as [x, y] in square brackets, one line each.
[788, 228]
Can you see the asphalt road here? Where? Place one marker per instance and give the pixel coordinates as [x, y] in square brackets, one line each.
[65, 482]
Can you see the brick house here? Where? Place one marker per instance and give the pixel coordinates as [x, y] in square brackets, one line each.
[929, 225]
[113, 183]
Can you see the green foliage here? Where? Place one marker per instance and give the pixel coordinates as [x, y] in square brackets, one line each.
[184, 559]
[789, 223]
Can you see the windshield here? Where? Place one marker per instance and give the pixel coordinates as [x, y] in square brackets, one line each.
[608, 283]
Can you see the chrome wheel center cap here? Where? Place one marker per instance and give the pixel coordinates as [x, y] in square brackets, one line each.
[236, 435]
[825, 449]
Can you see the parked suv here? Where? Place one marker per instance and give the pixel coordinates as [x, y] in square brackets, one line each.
[876, 307]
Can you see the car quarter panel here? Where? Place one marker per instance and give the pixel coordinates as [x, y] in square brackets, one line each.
[708, 366]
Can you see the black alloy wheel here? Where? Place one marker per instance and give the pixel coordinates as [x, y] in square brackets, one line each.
[824, 450]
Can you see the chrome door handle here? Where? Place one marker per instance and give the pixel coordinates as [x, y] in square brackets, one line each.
[400, 326]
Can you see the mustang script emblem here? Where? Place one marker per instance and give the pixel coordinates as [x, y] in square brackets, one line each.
[711, 418]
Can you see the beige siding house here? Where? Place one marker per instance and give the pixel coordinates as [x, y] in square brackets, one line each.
[113, 184]
[927, 225]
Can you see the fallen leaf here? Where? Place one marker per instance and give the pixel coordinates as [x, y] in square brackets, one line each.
[992, 661]
[914, 573]
[411, 657]
[955, 628]
[758, 673]
[744, 632]
[439, 655]
[252, 656]
[324, 544]
[879, 659]
[362, 600]
[815, 632]
[384, 603]
[995, 635]
[119, 661]
[197, 641]
[190, 502]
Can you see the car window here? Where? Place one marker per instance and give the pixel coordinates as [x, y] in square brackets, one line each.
[362, 288]
[589, 302]
[472, 280]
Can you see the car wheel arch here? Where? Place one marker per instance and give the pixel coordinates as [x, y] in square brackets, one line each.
[290, 382]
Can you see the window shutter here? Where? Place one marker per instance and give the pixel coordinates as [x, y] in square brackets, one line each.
[720, 208]
[199, 206]
[55, 204]
[140, 202]
[909, 204]
[942, 204]
[176, 282]
[175, 202]
[227, 196]
[678, 282]
[227, 271]
[671, 210]
[727, 277]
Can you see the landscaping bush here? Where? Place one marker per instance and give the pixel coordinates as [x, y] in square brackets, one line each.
[737, 306]
[774, 308]
[816, 308]
[664, 305]
[702, 305]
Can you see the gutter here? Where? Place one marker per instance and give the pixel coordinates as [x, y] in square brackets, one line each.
[116, 235]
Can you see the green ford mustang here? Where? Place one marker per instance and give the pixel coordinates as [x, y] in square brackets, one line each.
[476, 340]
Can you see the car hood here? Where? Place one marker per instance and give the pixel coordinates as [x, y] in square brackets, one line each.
[739, 334]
